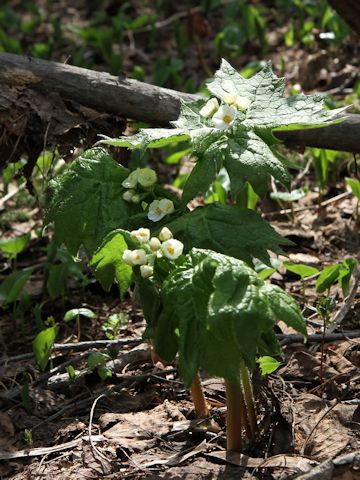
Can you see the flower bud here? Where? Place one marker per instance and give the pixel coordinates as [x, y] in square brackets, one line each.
[155, 244]
[136, 198]
[210, 107]
[131, 180]
[128, 195]
[165, 234]
[146, 177]
[146, 271]
[127, 257]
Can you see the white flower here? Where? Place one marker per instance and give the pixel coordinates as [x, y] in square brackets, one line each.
[210, 107]
[131, 180]
[172, 248]
[142, 235]
[127, 257]
[155, 244]
[138, 257]
[136, 198]
[224, 117]
[128, 195]
[165, 234]
[146, 177]
[159, 208]
[241, 103]
[146, 271]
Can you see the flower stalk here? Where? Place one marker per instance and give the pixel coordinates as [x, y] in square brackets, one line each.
[234, 400]
[198, 398]
[249, 399]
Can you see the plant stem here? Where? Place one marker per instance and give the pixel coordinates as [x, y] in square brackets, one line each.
[234, 399]
[198, 398]
[249, 397]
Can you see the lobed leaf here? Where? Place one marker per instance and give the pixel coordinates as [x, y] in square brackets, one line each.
[231, 230]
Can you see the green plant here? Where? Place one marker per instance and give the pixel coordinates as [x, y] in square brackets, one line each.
[354, 184]
[338, 273]
[199, 288]
[97, 361]
[43, 343]
[304, 271]
[75, 314]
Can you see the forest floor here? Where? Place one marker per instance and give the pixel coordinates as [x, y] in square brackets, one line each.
[140, 422]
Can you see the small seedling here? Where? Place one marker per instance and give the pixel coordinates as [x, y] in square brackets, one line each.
[43, 343]
[76, 313]
[97, 361]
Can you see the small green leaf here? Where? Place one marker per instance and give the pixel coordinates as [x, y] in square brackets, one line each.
[292, 196]
[299, 269]
[353, 183]
[77, 312]
[328, 277]
[268, 365]
[347, 268]
[104, 373]
[42, 345]
[71, 372]
[12, 286]
[97, 359]
[108, 264]
[11, 248]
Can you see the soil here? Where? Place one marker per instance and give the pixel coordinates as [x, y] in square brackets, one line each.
[140, 422]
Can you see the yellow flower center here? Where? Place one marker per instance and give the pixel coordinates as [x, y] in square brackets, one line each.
[171, 250]
[158, 210]
[227, 118]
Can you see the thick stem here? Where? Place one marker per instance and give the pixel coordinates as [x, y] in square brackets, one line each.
[234, 399]
[249, 397]
[198, 398]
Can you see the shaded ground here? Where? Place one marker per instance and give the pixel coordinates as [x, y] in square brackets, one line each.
[140, 422]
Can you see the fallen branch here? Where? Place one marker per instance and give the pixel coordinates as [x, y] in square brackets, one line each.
[141, 101]
[317, 337]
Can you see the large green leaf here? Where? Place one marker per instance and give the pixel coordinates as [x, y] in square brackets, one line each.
[269, 108]
[108, 264]
[219, 313]
[87, 201]
[230, 230]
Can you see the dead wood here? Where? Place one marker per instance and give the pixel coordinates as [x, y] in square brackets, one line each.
[23, 79]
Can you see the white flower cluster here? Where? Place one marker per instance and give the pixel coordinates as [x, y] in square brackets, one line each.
[165, 245]
[145, 177]
[223, 116]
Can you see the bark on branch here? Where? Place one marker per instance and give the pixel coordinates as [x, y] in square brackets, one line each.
[140, 101]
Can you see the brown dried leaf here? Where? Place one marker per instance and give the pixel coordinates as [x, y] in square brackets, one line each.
[138, 431]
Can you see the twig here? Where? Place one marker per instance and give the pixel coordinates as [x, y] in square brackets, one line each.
[316, 337]
[95, 450]
[76, 346]
[36, 452]
[79, 346]
[325, 203]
